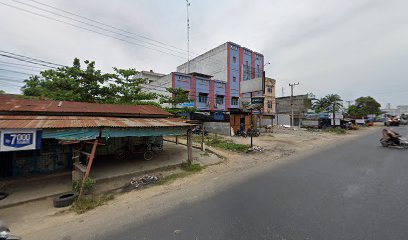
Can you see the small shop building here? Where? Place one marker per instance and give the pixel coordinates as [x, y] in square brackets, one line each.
[44, 137]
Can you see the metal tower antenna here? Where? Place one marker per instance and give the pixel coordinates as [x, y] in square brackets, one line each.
[188, 37]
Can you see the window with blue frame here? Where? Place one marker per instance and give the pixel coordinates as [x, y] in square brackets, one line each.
[203, 97]
[219, 99]
[234, 100]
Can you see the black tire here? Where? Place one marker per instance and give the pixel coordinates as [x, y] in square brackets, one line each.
[64, 200]
[3, 195]
[148, 155]
[383, 143]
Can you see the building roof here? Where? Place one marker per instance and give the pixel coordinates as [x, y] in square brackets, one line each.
[46, 122]
[11, 104]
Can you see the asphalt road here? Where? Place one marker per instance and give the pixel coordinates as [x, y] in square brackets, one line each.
[357, 190]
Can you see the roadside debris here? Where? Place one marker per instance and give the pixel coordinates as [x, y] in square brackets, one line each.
[255, 149]
[143, 180]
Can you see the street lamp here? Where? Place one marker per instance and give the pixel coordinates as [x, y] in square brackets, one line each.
[266, 63]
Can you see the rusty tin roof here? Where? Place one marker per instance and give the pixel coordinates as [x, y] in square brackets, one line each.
[33, 122]
[11, 104]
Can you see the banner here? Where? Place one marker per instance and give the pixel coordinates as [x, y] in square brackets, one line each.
[19, 139]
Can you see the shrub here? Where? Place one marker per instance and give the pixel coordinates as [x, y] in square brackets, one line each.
[89, 184]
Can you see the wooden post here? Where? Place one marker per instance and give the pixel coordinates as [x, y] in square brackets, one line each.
[189, 148]
[176, 139]
[202, 138]
[88, 168]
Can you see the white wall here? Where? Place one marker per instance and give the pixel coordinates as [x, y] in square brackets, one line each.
[159, 87]
[213, 62]
[252, 85]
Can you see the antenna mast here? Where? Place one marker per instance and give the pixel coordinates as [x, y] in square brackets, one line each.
[188, 37]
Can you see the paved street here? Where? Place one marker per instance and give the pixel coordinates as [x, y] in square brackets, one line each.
[355, 191]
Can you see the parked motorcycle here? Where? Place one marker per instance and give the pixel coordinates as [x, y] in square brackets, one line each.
[5, 233]
[254, 132]
[241, 133]
[199, 131]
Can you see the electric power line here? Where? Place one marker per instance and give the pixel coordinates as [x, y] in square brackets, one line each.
[87, 29]
[23, 65]
[107, 25]
[24, 73]
[32, 59]
[96, 26]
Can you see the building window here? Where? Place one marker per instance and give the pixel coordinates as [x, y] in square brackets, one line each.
[234, 79]
[234, 59]
[234, 101]
[270, 89]
[203, 97]
[219, 100]
[270, 106]
[246, 63]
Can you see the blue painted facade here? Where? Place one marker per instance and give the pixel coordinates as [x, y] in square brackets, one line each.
[247, 65]
[258, 65]
[202, 94]
[220, 93]
[235, 74]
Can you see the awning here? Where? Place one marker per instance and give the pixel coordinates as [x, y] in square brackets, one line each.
[85, 128]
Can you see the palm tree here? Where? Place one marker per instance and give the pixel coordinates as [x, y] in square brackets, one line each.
[334, 100]
[319, 104]
[326, 103]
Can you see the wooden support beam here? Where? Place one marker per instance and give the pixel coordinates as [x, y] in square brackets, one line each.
[202, 138]
[88, 168]
[189, 147]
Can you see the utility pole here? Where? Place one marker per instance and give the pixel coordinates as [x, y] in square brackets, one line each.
[292, 85]
[283, 91]
[349, 104]
[188, 37]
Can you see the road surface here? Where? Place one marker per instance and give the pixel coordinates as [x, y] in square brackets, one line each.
[357, 190]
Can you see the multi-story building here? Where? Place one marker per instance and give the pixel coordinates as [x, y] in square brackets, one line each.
[229, 63]
[205, 93]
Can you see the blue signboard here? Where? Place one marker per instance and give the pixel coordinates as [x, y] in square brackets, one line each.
[19, 139]
[186, 104]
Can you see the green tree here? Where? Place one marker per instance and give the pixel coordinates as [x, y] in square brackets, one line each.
[2, 92]
[326, 103]
[88, 85]
[177, 96]
[364, 106]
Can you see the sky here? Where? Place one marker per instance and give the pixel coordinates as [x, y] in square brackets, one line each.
[351, 48]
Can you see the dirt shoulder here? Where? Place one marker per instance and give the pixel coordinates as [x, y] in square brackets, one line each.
[39, 220]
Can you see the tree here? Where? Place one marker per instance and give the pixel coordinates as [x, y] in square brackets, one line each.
[88, 85]
[326, 103]
[177, 96]
[364, 106]
[2, 92]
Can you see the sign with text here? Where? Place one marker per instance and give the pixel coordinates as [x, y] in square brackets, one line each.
[19, 139]
[257, 100]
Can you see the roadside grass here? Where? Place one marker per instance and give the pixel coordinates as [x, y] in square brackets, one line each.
[219, 142]
[87, 203]
[187, 171]
[335, 130]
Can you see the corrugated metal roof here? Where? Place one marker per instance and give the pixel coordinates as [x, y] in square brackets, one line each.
[10, 103]
[86, 122]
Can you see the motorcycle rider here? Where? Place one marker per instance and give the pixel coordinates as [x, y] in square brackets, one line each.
[391, 136]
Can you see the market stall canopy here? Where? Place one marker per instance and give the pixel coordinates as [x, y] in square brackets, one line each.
[83, 128]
